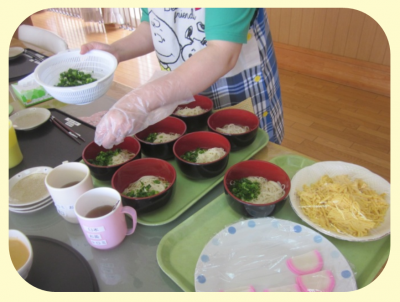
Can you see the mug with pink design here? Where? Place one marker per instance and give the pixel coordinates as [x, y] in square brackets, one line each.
[105, 227]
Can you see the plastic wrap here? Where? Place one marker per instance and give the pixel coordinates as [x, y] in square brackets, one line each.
[345, 211]
[144, 106]
[253, 255]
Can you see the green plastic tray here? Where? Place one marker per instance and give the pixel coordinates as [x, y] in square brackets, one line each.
[179, 250]
[187, 191]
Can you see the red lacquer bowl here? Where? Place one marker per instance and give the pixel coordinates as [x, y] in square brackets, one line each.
[197, 122]
[133, 171]
[161, 150]
[206, 140]
[105, 173]
[238, 117]
[258, 168]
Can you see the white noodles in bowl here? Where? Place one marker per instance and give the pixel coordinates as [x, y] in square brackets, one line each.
[189, 111]
[165, 137]
[210, 155]
[147, 185]
[121, 157]
[233, 129]
[270, 190]
[112, 157]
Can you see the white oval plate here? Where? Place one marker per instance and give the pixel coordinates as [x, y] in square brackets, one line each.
[34, 209]
[254, 253]
[30, 118]
[313, 173]
[15, 52]
[31, 192]
[32, 206]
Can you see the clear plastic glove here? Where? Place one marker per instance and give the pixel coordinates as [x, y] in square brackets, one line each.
[141, 108]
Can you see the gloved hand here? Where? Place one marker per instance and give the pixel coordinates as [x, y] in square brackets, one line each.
[141, 108]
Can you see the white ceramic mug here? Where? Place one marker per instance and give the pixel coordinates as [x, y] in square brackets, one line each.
[65, 184]
[107, 228]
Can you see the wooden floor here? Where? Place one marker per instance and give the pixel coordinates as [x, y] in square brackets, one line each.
[324, 120]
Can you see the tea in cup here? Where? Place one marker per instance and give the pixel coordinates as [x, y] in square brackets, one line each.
[65, 184]
[20, 252]
[104, 225]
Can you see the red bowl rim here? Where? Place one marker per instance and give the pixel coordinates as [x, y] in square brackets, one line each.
[160, 144]
[189, 116]
[201, 164]
[144, 198]
[113, 166]
[232, 134]
[287, 190]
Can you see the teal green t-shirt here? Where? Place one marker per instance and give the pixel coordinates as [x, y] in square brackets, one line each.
[226, 24]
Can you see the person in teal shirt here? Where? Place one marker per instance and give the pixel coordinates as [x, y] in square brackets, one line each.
[225, 54]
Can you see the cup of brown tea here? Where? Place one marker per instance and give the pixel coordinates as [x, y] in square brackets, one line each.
[20, 252]
[65, 184]
[102, 217]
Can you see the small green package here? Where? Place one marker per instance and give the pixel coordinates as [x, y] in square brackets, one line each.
[29, 92]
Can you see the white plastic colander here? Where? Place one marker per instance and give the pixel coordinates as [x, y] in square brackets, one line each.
[100, 64]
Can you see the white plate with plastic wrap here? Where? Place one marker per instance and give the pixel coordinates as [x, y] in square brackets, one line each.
[252, 254]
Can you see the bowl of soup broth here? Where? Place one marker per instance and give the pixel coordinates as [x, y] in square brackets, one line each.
[20, 252]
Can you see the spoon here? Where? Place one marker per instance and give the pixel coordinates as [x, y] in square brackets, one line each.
[115, 206]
